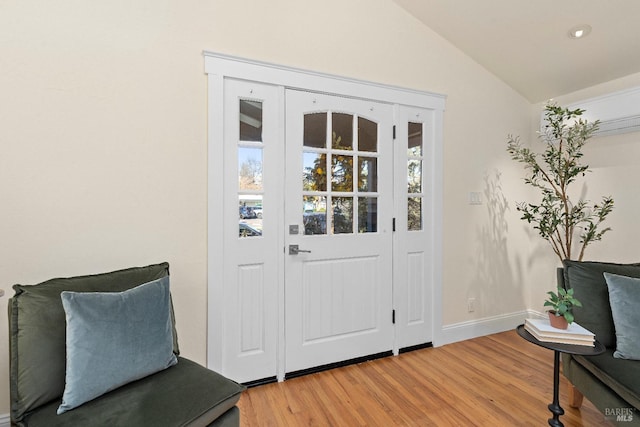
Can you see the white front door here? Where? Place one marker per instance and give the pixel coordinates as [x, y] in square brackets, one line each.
[338, 229]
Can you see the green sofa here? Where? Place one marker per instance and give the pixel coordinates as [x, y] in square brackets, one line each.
[611, 384]
[185, 394]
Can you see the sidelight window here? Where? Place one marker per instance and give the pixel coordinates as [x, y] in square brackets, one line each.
[415, 193]
[250, 163]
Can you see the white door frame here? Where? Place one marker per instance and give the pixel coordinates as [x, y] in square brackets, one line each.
[218, 67]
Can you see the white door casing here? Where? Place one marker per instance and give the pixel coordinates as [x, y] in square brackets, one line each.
[338, 294]
[247, 309]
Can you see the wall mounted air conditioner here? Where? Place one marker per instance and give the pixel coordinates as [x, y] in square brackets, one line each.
[618, 112]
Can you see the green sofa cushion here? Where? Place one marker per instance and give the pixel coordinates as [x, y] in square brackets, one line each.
[114, 338]
[596, 391]
[37, 332]
[590, 288]
[184, 394]
[622, 376]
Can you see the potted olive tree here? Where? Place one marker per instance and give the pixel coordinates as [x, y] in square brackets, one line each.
[569, 226]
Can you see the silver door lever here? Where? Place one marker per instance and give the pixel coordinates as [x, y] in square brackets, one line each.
[295, 250]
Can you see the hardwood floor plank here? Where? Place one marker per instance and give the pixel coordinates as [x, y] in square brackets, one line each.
[495, 380]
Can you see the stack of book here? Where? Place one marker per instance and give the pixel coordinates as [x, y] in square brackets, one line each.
[574, 334]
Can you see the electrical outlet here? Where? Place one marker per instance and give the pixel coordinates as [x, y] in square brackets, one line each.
[471, 305]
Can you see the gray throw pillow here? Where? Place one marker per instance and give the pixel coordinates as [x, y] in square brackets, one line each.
[624, 295]
[114, 338]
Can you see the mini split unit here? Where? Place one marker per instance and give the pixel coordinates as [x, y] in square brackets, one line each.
[618, 112]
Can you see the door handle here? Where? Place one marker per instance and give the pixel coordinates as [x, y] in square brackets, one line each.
[295, 250]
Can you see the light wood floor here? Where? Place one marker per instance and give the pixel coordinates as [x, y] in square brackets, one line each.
[498, 380]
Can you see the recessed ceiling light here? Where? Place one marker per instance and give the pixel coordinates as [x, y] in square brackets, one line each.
[579, 31]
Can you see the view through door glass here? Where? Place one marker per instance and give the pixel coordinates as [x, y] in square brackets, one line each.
[340, 174]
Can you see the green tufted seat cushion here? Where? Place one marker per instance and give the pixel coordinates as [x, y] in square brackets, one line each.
[37, 326]
[620, 375]
[590, 288]
[185, 394]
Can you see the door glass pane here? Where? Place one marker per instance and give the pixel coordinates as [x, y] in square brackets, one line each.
[367, 215]
[315, 130]
[414, 213]
[350, 173]
[414, 175]
[367, 135]
[249, 168]
[415, 139]
[342, 131]
[250, 120]
[342, 215]
[250, 215]
[314, 171]
[341, 173]
[368, 174]
[314, 215]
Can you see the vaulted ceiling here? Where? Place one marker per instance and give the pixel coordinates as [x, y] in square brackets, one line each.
[526, 43]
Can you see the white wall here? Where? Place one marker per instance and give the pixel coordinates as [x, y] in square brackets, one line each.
[104, 140]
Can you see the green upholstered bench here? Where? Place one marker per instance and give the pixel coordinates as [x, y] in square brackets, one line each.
[612, 384]
[184, 394]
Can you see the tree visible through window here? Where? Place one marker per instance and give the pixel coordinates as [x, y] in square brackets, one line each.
[328, 175]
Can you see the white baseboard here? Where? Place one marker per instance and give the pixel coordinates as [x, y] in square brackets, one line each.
[5, 420]
[538, 314]
[481, 327]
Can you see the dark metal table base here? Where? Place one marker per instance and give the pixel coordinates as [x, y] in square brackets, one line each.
[554, 406]
[558, 348]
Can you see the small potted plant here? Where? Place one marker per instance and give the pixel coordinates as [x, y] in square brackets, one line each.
[561, 303]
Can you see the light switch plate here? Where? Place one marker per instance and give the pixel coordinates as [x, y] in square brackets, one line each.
[475, 198]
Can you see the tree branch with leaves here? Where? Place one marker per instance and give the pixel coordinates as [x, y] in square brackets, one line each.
[556, 218]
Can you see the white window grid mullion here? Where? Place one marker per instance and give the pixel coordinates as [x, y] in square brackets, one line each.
[250, 144]
[329, 170]
[355, 174]
[251, 192]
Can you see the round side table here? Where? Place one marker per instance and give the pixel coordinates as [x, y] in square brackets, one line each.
[558, 348]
